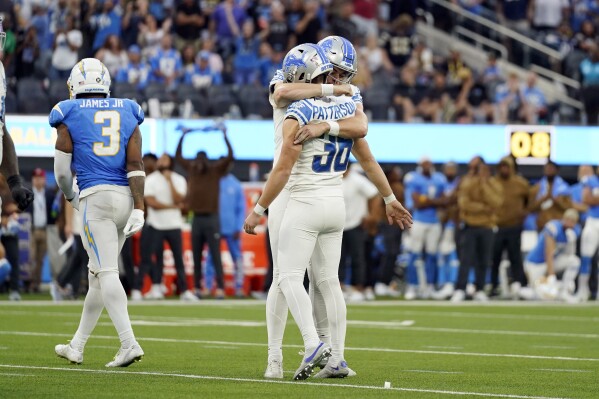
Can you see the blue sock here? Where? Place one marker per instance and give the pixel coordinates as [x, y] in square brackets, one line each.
[412, 274]
[452, 267]
[471, 276]
[430, 267]
[585, 265]
[5, 269]
[442, 261]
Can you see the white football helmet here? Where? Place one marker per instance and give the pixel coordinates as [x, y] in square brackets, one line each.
[342, 54]
[2, 33]
[89, 76]
[305, 62]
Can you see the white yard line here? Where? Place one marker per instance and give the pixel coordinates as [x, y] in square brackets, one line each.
[434, 371]
[442, 347]
[18, 375]
[564, 370]
[553, 347]
[254, 344]
[264, 381]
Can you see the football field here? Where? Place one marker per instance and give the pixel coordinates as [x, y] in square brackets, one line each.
[217, 349]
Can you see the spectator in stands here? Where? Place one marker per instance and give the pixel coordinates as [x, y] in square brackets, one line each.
[585, 38]
[188, 58]
[41, 22]
[112, 55]
[228, 18]
[203, 199]
[536, 104]
[160, 10]
[27, 53]
[513, 14]
[376, 58]
[66, 46]
[269, 61]
[135, 14]
[246, 56]
[491, 75]
[137, 72]
[304, 21]
[422, 57]
[201, 76]
[166, 64]
[164, 195]
[576, 192]
[589, 73]
[151, 35]
[10, 242]
[583, 11]
[10, 45]
[479, 199]
[341, 23]
[189, 22]
[550, 197]
[214, 61]
[510, 219]
[366, 17]
[105, 23]
[547, 15]
[57, 16]
[458, 72]
[278, 33]
[510, 102]
[398, 40]
[436, 100]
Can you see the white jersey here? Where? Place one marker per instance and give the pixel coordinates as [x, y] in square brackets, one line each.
[278, 114]
[323, 160]
[2, 105]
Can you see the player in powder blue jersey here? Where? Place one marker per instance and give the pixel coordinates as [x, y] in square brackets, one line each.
[99, 138]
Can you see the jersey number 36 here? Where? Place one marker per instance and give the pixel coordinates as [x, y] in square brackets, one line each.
[337, 156]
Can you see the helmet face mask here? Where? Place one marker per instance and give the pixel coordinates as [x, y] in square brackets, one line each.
[342, 54]
[304, 63]
[89, 76]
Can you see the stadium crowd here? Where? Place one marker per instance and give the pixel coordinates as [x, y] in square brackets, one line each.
[157, 49]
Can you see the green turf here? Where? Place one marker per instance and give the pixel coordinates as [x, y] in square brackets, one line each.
[227, 340]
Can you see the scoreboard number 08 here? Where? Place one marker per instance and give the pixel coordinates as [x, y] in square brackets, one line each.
[530, 145]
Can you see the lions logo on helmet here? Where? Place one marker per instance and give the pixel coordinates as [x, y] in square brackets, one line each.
[89, 76]
[342, 54]
[304, 63]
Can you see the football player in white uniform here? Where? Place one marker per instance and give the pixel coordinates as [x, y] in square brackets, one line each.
[321, 162]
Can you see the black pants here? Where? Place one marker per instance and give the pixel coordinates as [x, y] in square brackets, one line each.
[269, 273]
[392, 239]
[11, 245]
[353, 248]
[147, 265]
[127, 256]
[175, 241]
[76, 264]
[205, 229]
[510, 240]
[477, 251]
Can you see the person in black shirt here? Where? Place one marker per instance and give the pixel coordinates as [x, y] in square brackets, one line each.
[342, 25]
[189, 22]
[308, 24]
[399, 42]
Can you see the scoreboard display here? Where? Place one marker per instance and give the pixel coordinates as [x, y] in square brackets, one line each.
[529, 144]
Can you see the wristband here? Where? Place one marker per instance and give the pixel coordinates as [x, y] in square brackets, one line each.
[136, 173]
[14, 180]
[333, 128]
[327, 90]
[259, 210]
[389, 199]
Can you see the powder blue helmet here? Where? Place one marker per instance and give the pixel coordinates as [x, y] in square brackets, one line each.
[342, 54]
[305, 62]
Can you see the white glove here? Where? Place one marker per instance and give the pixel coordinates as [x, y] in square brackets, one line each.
[134, 223]
[75, 200]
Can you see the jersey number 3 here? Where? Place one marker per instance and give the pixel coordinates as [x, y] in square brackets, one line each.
[337, 156]
[113, 131]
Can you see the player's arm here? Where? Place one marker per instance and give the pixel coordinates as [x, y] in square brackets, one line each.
[465, 202]
[63, 156]
[137, 180]
[588, 198]
[10, 169]
[179, 154]
[394, 209]
[549, 251]
[284, 94]
[278, 177]
[353, 128]
[152, 202]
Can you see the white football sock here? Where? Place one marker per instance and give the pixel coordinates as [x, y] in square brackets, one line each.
[583, 284]
[319, 312]
[92, 309]
[301, 308]
[115, 300]
[276, 319]
[337, 317]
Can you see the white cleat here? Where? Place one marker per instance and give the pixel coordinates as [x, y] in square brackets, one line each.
[369, 294]
[480, 296]
[14, 296]
[274, 369]
[444, 293]
[189, 296]
[125, 357]
[381, 289]
[154, 293]
[458, 296]
[341, 371]
[136, 296]
[305, 369]
[410, 294]
[470, 289]
[67, 352]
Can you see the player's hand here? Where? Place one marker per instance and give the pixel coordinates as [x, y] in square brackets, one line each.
[396, 213]
[74, 201]
[22, 195]
[251, 222]
[134, 223]
[310, 131]
[343, 90]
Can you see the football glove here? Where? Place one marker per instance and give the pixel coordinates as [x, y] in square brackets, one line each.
[135, 223]
[21, 194]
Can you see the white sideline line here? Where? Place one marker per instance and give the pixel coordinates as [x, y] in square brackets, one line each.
[553, 347]
[221, 347]
[3, 348]
[384, 350]
[443, 347]
[264, 381]
[564, 370]
[434, 371]
[18, 374]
